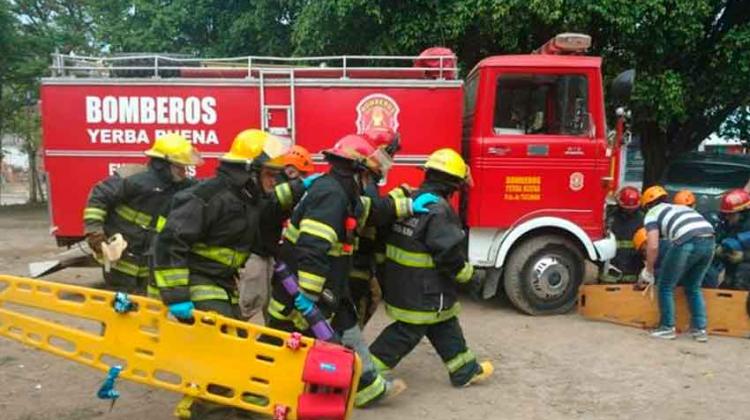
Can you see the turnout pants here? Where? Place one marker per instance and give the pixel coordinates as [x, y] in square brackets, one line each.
[206, 410]
[129, 275]
[400, 338]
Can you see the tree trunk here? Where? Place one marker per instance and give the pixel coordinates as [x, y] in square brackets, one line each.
[655, 151]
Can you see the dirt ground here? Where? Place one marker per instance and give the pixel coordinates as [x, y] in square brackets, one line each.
[561, 367]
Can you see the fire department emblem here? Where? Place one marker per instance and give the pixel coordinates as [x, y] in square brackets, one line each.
[576, 181]
[377, 111]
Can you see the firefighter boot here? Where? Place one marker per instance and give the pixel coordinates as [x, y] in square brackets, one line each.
[486, 370]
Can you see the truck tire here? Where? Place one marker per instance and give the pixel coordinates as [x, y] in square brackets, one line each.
[542, 275]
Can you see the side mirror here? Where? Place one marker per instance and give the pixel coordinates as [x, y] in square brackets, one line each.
[622, 86]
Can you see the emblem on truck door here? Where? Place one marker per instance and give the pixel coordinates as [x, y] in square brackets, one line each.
[377, 111]
[576, 181]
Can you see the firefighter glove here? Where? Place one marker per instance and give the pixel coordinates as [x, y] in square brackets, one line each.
[95, 241]
[303, 304]
[182, 310]
[646, 278]
[308, 180]
[419, 204]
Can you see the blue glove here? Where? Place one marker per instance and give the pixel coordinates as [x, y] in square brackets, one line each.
[182, 310]
[308, 180]
[303, 303]
[419, 204]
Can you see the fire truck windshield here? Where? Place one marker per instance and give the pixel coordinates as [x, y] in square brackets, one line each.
[541, 104]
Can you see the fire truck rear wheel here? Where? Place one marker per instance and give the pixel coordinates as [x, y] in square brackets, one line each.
[542, 275]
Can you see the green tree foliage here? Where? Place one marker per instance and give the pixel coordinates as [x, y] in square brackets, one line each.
[199, 27]
[692, 56]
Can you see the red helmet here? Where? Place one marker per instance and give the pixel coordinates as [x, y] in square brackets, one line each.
[383, 137]
[629, 198]
[734, 201]
[359, 151]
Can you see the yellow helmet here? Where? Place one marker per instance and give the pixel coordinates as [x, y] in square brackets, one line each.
[450, 162]
[257, 147]
[652, 194]
[175, 149]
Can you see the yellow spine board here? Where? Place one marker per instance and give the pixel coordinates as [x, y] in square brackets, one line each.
[203, 360]
[726, 309]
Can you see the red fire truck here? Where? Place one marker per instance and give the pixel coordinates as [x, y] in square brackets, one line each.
[532, 127]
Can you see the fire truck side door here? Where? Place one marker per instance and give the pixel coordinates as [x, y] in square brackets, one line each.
[539, 156]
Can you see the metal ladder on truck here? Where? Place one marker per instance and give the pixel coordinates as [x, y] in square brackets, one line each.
[215, 358]
[267, 110]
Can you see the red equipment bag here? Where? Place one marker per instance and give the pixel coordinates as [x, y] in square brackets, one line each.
[328, 373]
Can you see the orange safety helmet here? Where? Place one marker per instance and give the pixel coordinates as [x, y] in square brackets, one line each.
[299, 158]
[652, 194]
[639, 239]
[360, 152]
[629, 198]
[685, 198]
[734, 201]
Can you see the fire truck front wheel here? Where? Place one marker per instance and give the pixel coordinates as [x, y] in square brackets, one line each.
[542, 275]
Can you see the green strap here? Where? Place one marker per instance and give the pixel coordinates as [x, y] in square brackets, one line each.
[276, 308]
[94, 213]
[403, 207]
[625, 244]
[367, 206]
[310, 281]
[171, 277]
[460, 361]
[422, 318]
[318, 229]
[160, 223]
[408, 258]
[284, 195]
[133, 216]
[466, 273]
[291, 233]
[225, 256]
[153, 292]
[127, 267]
[379, 364]
[370, 392]
[207, 292]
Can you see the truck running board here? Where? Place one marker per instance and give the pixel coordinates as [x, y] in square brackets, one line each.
[727, 310]
[216, 358]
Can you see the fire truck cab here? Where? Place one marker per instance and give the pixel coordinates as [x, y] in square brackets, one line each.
[536, 136]
[532, 128]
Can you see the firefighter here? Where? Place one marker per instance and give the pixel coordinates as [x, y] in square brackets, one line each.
[425, 261]
[366, 289]
[688, 258]
[624, 220]
[254, 282]
[318, 244]
[213, 227]
[685, 198]
[135, 207]
[210, 232]
[733, 238]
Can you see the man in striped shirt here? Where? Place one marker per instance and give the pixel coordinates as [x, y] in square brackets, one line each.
[689, 256]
